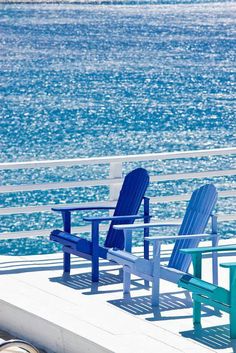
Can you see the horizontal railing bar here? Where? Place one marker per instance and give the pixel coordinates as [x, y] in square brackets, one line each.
[45, 232]
[115, 159]
[194, 175]
[48, 208]
[226, 217]
[59, 185]
[186, 197]
[24, 234]
[155, 199]
[107, 182]
[83, 229]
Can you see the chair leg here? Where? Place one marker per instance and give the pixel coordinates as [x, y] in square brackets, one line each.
[66, 262]
[156, 291]
[196, 312]
[126, 281]
[121, 272]
[95, 269]
[215, 242]
[232, 316]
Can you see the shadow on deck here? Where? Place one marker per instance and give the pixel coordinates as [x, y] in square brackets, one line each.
[216, 337]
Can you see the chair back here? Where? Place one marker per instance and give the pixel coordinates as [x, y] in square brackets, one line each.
[131, 194]
[198, 212]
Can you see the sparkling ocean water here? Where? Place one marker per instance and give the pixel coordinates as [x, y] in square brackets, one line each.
[84, 80]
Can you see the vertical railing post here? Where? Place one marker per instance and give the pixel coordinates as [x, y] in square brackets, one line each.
[115, 173]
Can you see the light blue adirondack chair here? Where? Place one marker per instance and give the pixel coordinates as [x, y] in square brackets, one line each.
[191, 231]
[126, 211]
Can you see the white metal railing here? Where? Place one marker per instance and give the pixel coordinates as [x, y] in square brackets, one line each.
[113, 182]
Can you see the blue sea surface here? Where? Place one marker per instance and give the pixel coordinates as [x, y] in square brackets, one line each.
[88, 80]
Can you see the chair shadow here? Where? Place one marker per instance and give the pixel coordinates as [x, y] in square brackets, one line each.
[168, 302]
[216, 337]
[37, 265]
[84, 281]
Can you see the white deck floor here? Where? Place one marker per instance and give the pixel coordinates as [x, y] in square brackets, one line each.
[72, 316]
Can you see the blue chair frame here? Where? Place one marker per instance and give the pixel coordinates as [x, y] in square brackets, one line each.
[197, 215]
[133, 188]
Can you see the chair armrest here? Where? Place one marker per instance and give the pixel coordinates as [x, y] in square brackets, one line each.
[112, 218]
[204, 250]
[147, 225]
[179, 237]
[228, 264]
[81, 208]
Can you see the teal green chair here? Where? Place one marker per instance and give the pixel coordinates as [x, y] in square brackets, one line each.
[208, 293]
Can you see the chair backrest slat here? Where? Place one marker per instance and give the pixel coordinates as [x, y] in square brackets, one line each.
[196, 218]
[129, 201]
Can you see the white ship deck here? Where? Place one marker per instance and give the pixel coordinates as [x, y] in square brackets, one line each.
[72, 316]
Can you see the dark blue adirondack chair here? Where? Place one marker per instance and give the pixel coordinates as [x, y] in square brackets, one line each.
[191, 231]
[126, 211]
